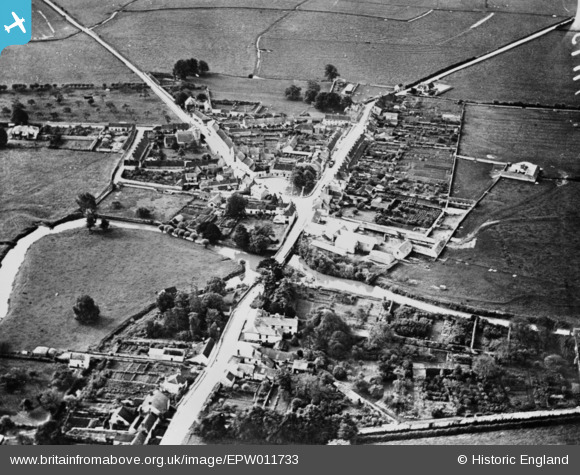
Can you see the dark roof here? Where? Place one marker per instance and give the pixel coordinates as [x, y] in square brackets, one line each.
[127, 414]
[208, 347]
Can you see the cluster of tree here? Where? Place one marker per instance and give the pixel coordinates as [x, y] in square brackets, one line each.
[19, 115]
[414, 328]
[335, 265]
[328, 332]
[209, 231]
[14, 379]
[236, 206]
[279, 293]
[304, 178]
[293, 93]
[190, 67]
[316, 416]
[86, 310]
[3, 138]
[87, 204]
[191, 316]
[256, 241]
[331, 101]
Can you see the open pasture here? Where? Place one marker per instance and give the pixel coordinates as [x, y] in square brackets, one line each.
[548, 138]
[77, 59]
[472, 178]
[536, 72]
[226, 39]
[42, 184]
[91, 12]
[47, 24]
[141, 5]
[122, 270]
[370, 50]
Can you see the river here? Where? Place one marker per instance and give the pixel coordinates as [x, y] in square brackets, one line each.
[15, 257]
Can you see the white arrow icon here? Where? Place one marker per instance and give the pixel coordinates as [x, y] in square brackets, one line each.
[18, 22]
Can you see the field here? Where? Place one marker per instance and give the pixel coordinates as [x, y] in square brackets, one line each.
[472, 178]
[113, 106]
[140, 5]
[122, 270]
[226, 39]
[371, 50]
[522, 230]
[536, 72]
[42, 184]
[268, 91]
[78, 59]
[91, 12]
[162, 206]
[47, 24]
[382, 10]
[547, 138]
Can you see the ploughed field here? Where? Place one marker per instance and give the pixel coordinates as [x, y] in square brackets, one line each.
[122, 270]
[42, 184]
[545, 137]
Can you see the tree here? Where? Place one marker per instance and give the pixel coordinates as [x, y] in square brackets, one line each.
[330, 72]
[143, 213]
[19, 115]
[86, 311]
[91, 221]
[216, 285]
[3, 138]
[165, 301]
[210, 232]
[48, 433]
[105, 224]
[292, 92]
[485, 367]
[87, 203]
[6, 423]
[180, 98]
[236, 206]
[304, 178]
[203, 68]
[347, 429]
[258, 243]
[328, 101]
[242, 237]
[311, 91]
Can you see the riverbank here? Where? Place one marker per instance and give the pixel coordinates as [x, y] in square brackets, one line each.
[122, 269]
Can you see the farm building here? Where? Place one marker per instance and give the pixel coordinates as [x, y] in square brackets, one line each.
[203, 356]
[350, 242]
[403, 250]
[155, 403]
[167, 354]
[79, 360]
[524, 171]
[381, 258]
[325, 246]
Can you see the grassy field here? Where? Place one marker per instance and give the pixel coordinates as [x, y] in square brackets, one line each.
[163, 207]
[113, 106]
[122, 270]
[547, 138]
[530, 231]
[472, 178]
[268, 91]
[372, 50]
[91, 12]
[225, 38]
[47, 24]
[192, 4]
[42, 184]
[536, 72]
[383, 10]
[73, 60]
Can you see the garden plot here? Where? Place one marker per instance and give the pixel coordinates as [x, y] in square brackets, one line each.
[126, 201]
